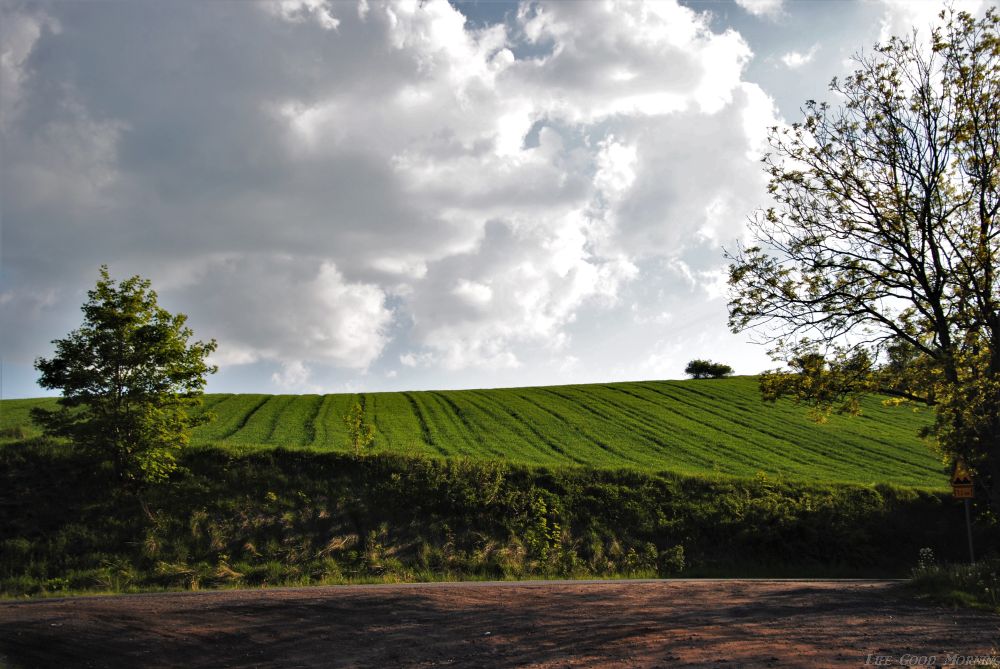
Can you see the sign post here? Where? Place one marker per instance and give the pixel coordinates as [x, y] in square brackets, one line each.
[962, 488]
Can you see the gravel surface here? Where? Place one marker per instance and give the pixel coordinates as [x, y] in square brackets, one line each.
[708, 623]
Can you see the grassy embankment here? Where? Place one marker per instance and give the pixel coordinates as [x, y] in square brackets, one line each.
[664, 478]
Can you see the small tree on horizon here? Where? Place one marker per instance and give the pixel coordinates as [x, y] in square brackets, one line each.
[128, 377]
[360, 433]
[706, 369]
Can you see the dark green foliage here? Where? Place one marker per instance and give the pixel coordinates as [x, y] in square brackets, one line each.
[128, 377]
[974, 585]
[706, 369]
[275, 516]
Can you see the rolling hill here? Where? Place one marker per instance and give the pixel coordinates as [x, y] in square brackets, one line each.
[689, 427]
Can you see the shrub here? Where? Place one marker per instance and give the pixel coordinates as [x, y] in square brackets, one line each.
[671, 561]
[706, 369]
[291, 517]
[976, 585]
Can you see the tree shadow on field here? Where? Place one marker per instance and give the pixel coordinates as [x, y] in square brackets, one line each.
[625, 624]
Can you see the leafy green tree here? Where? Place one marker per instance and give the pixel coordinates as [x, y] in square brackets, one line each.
[706, 369]
[128, 377]
[360, 433]
[876, 269]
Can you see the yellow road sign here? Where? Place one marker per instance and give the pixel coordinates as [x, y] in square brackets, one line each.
[961, 480]
[961, 474]
[962, 491]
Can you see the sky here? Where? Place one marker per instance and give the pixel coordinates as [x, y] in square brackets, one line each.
[368, 196]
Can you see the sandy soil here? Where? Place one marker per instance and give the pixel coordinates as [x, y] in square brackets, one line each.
[563, 624]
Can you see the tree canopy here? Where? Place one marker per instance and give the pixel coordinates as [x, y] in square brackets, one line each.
[876, 268]
[706, 369]
[128, 376]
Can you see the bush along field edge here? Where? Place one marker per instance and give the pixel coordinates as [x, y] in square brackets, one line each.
[291, 517]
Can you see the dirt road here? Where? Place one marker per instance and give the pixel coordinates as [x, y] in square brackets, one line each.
[564, 624]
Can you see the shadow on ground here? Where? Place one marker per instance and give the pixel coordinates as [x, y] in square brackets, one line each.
[666, 623]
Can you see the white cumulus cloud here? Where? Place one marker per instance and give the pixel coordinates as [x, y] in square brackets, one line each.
[796, 59]
[769, 8]
[288, 310]
[330, 186]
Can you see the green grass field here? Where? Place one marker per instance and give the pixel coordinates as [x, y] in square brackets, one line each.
[688, 427]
